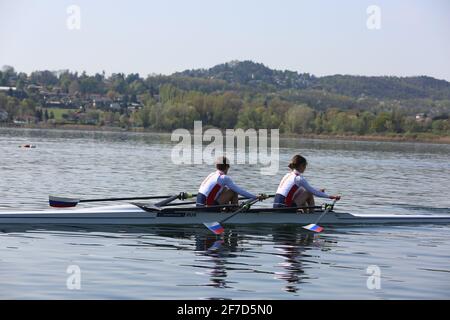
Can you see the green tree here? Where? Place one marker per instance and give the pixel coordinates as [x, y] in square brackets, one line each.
[124, 121]
[362, 125]
[144, 116]
[382, 122]
[44, 78]
[441, 127]
[74, 87]
[168, 93]
[300, 119]
[178, 116]
[27, 108]
[39, 115]
[118, 83]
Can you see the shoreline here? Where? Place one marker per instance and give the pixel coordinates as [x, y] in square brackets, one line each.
[374, 138]
[417, 138]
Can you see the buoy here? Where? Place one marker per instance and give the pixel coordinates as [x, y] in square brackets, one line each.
[30, 146]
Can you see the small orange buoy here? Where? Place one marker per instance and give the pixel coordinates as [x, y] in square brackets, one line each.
[29, 146]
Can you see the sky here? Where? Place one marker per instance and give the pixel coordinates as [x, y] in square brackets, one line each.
[321, 37]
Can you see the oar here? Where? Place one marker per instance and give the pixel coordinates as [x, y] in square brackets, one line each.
[61, 202]
[195, 202]
[167, 201]
[217, 228]
[314, 226]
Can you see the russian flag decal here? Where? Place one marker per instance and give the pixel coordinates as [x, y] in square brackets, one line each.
[214, 227]
[313, 227]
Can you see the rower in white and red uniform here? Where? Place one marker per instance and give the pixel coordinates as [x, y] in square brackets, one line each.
[218, 188]
[294, 190]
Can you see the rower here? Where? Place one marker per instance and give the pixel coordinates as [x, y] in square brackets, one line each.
[218, 188]
[295, 191]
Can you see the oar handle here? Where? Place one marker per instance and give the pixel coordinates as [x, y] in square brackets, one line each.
[218, 206]
[328, 208]
[168, 200]
[245, 206]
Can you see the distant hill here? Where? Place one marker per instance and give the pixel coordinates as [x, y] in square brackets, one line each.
[386, 87]
[259, 76]
[237, 94]
[248, 73]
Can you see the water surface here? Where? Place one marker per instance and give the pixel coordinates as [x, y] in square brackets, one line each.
[248, 262]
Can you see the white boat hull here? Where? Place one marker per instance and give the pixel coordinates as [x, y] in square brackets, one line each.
[133, 215]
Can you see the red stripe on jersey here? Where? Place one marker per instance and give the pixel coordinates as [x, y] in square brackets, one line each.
[212, 195]
[290, 195]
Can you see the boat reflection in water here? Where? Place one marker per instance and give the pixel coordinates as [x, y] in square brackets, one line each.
[262, 253]
[292, 247]
[289, 244]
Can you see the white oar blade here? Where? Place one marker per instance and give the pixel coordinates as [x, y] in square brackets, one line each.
[313, 227]
[59, 202]
[214, 227]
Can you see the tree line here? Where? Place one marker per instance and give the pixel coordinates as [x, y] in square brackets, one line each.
[178, 109]
[239, 95]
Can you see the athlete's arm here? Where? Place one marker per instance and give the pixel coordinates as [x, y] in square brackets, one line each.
[226, 181]
[301, 182]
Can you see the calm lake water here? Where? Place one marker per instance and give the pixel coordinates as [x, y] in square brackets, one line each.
[248, 262]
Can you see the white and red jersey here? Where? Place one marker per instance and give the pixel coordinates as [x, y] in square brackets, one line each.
[291, 183]
[214, 184]
[211, 188]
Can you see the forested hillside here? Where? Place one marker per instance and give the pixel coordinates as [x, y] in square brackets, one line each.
[235, 94]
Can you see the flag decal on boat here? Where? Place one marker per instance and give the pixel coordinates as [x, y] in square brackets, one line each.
[313, 227]
[214, 227]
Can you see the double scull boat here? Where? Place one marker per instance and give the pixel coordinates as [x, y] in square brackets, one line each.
[141, 214]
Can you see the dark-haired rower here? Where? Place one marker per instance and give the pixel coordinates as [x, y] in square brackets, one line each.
[294, 190]
[218, 188]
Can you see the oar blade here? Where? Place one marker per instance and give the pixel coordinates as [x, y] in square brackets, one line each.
[60, 202]
[216, 245]
[215, 227]
[313, 227]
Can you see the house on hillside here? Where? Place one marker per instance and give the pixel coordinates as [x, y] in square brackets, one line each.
[420, 117]
[34, 88]
[8, 89]
[115, 106]
[55, 104]
[99, 101]
[135, 106]
[11, 91]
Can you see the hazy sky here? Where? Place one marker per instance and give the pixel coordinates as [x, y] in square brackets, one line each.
[317, 36]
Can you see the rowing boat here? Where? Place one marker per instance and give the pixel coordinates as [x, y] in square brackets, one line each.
[137, 214]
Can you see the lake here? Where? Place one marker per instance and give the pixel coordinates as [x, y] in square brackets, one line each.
[252, 262]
